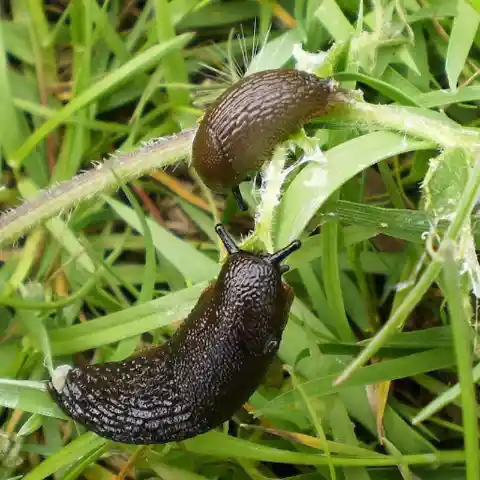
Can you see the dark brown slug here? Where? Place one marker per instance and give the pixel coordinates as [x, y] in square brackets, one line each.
[204, 373]
[241, 129]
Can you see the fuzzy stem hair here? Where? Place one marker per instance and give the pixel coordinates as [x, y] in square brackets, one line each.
[155, 154]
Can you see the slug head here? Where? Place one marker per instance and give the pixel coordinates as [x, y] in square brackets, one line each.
[214, 165]
[211, 161]
[273, 260]
[253, 282]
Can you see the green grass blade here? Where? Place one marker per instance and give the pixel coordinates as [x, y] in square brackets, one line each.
[460, 314]
[387, 370]
[28, 396]
[193, 265]
[80, 447]
[138, 64]
[443, 399]
[465, 26]
[125, 323]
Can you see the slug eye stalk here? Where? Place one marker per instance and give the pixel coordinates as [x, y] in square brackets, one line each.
[227, 240]
[237, 195]
[274, 259]
[278, 257]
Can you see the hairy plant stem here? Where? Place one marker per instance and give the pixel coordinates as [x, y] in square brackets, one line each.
[155, 154]
[273, 179]
[417, 122]
[168, 150]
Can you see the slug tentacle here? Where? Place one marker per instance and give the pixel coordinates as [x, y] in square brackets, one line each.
[237, 195]
[206, 371]
[240, 130]
[226, 239]
[278, 257]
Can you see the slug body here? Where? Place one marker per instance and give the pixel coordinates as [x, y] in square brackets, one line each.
[204, 373]
[241, 129]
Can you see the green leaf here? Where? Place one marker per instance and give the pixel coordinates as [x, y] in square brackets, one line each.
[317, 181]
[465, 26]
[441, 98]
[77, 449]
[126, 323]
[406, 366]
[334, 20]
[28, 396]
[383, 87]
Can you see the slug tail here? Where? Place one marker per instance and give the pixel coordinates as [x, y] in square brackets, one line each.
[127, 402]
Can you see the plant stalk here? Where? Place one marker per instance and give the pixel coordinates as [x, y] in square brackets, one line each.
[153, 155]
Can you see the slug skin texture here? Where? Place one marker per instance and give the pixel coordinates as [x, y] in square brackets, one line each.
[204, 373]
[241, 129]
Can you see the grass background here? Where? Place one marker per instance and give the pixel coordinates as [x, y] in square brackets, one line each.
[80, 80]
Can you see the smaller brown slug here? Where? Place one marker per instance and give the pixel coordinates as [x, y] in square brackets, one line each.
[241, 129]
[206, 371]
